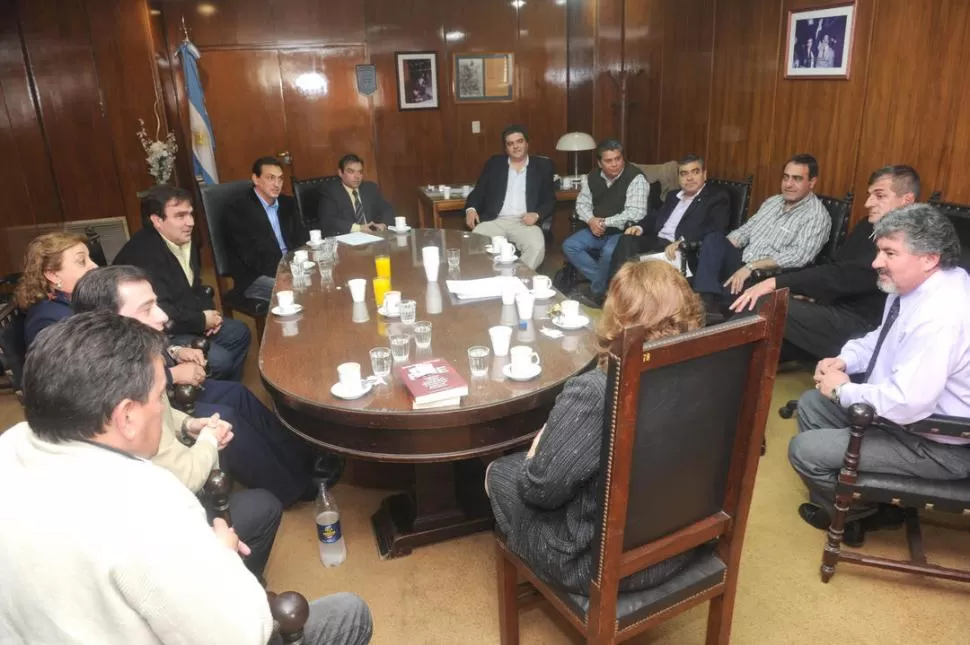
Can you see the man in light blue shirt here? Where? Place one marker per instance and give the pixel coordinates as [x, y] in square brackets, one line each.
[916, 364]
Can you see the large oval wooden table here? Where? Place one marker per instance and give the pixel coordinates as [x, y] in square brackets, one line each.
[298, 362]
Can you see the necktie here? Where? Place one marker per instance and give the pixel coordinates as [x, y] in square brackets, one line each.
[358, 209]
[890, 319]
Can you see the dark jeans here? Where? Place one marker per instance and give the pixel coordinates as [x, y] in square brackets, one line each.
[227, 351]
[577, 248]
[256, 517]
[262, 453]
[718, 260]
[631, 247]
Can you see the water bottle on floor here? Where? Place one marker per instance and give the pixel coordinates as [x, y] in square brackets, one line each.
[333, 548]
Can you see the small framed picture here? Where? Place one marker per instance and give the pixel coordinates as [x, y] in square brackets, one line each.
[819, 42]
[417, 80]
[484, 78]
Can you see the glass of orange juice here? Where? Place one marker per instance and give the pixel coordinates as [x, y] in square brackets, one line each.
[381, 286]
[383, 265]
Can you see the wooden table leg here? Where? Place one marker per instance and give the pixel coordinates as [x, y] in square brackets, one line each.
[447, 501]
[437, 215]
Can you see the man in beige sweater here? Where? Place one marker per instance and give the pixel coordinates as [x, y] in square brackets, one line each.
[99, 545]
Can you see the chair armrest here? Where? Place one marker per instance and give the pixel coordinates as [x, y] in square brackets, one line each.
[934, 424]
[763, 274]
[290, 612]
[207, 291]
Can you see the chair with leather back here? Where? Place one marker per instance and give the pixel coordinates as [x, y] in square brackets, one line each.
[290, 609]
[740, 194]
[214, 200]
[307, 194]
[13, 348]
[677, 477]
[909, 493]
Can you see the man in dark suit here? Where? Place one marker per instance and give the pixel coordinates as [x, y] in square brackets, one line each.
[352, 204]
[513, 195]
[261, 227]
[689, 214]
[164, 249]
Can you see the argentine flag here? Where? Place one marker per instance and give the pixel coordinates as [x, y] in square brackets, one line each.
[203, 145]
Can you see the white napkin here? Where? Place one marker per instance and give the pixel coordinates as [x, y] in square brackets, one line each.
[484, 287]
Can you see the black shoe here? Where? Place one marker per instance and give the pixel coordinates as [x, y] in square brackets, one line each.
[327, 469]
[854, 533]
[887, 517]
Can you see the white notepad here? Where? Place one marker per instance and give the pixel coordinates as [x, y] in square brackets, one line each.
[358, 239]
[483, 288]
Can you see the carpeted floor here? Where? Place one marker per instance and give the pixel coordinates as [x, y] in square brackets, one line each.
[445, 594]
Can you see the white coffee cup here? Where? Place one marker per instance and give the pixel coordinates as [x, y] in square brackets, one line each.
[392, 302]
[523, 358]
[524, 302]
[431, 256]
[501, 337]
[285, 300]
[358, 287]
[300, 256]
[567, 183]
[349, 375]
[442, 187]
[400, 223]
[541, 283]
[569, 309]
[316, 236]
[446, 192]
[508, 251]
[498, 243]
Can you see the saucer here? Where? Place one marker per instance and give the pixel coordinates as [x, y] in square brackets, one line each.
[384, 313]
[526, 375]
[339, 390]
[578, 322]
[543, 295]
[289, 311]
[399, 230]
[501, 260]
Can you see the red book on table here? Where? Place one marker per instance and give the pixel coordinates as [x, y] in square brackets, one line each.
[432, 381]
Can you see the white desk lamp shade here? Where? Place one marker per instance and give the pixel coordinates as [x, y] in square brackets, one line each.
[575, 142]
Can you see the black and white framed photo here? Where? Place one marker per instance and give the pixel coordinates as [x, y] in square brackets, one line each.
[484, 77]
[417, 80]
[819, 42]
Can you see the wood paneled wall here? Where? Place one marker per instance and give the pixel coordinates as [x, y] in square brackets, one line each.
[712, 83]
[252, 53]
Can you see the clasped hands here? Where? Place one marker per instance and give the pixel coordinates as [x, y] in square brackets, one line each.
[829, 374]
[220, 430]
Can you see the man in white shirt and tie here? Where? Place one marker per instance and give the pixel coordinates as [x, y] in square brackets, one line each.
[916, 364]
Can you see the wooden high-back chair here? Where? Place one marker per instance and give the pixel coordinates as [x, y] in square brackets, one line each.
[681, 441]
[290, 609]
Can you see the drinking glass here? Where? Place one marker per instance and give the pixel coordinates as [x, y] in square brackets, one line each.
[422, 334]
[454, 258]
[381, 286]
[478, 360]
[380, 362]
[400, 347]
[383, 265]
[409, 311]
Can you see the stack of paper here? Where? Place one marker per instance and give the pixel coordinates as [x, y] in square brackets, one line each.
[358, 239]
[485, 287]
[676, 262]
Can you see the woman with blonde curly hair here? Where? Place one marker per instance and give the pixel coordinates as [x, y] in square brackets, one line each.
[545, 501]
[53, 264]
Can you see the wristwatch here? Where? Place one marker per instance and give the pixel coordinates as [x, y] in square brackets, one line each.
[836, 392]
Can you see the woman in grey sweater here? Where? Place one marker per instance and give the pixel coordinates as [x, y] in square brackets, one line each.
[545, 501]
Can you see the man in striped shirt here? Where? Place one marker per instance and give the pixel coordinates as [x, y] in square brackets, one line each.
[788, 231]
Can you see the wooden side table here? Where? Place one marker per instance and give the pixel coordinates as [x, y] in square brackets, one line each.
[435, 203]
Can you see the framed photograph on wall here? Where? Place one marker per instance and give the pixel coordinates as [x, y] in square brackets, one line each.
[483, 78]
[417, 80]
[819, 42]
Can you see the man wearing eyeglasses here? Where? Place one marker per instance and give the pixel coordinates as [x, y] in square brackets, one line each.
[261, 227]
[687, 215]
